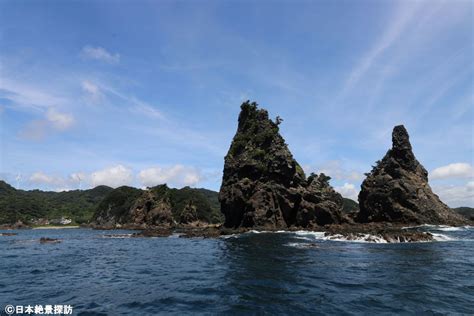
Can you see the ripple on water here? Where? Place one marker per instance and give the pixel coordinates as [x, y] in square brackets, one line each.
[274, 273]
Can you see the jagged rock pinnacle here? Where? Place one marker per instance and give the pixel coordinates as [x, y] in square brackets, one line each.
[264, 186]
[400, 138]
[397, 190]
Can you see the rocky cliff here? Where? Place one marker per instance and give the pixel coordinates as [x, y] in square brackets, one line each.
[397, 190]
[263, 186]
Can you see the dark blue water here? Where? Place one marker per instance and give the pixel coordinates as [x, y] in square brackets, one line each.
[266, 273]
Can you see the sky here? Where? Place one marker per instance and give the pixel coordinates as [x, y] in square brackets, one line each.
[142, 93]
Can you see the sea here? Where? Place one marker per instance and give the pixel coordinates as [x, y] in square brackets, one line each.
[255, 273]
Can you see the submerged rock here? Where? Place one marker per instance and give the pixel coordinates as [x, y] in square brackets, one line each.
[47, 240]
[263, 185]
[397, 190]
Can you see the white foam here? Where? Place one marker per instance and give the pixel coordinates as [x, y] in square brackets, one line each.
[316, 235]
[301, 245]
[230, 236]
[117, 236]
[442, 237]
[444, 228]
[338, 237]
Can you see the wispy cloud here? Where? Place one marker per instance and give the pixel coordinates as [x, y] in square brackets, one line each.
[58, 120]
[92, 92]
[24, 96]
[53, 121]
[99, 53]
[402, 17]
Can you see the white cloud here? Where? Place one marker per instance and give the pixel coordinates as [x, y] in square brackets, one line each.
[100, 53]
[454, 170]
[455, 196]
[58, 120]
[114, 176]
[335, 170]
[44, 179]
[78, 177]
[177, 176]
[348, 190]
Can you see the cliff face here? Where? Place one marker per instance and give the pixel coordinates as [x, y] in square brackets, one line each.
[397, 190]
[263, 186]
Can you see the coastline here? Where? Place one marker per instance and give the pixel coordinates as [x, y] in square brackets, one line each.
[56, 227]
[372, 232]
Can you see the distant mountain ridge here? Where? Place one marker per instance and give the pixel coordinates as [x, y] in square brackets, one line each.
[467, 212]
[82, 206]
[20, 205]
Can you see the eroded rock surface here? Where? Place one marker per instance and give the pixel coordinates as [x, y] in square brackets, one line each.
[263, 186]
[397, 190]
[152, 209]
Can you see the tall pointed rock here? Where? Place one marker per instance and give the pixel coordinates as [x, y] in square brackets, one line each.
[397, 190]
[263, 185]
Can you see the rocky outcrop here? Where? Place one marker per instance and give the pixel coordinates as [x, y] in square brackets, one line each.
[263, 186]
[397, 190]
[162, 206]
[188, 214]
[151, 209]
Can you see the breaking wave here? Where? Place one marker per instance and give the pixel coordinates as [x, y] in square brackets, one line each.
[306, 237]
[443, 228]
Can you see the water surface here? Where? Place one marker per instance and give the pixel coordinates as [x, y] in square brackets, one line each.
[253, 273]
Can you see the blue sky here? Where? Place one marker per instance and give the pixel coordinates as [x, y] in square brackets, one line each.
[147, 92]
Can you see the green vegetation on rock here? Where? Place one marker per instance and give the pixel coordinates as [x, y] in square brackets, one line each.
[350, 206]
[118, 204]
[467, 212]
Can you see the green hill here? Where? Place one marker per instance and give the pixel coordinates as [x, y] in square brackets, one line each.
[465, 211]
[117, 204]
[350, 206]
[79, 205]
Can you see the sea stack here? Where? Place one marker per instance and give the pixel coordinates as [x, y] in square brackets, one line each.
[397, 190]
[263, 186]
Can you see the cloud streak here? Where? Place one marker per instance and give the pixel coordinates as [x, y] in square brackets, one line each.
[99, 53]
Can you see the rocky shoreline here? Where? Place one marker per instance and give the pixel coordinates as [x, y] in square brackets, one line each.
[373, 232]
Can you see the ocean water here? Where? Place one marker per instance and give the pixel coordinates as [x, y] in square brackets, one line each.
[252, 273]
